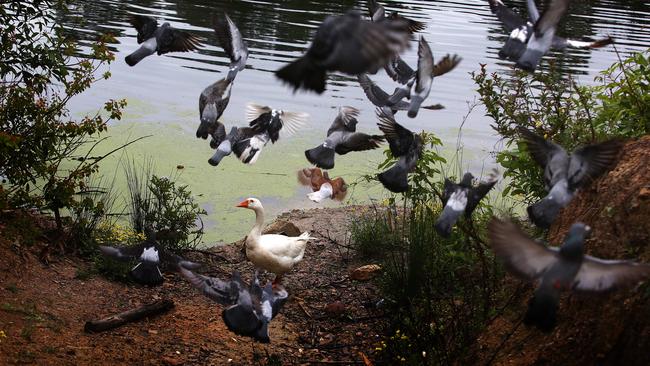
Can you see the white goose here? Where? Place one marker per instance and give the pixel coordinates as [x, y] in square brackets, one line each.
[272, 252]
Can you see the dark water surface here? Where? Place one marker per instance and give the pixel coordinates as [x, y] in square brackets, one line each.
[163, 90]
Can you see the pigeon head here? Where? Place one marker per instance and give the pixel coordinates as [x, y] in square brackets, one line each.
[573, 246]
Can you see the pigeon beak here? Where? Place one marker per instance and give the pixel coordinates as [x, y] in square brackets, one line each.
[243, 204]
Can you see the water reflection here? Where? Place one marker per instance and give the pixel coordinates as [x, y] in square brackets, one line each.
[163, 90]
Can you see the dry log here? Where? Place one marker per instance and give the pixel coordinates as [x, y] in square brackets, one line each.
[129, 316]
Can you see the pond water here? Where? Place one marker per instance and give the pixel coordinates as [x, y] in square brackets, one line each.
[162, 91]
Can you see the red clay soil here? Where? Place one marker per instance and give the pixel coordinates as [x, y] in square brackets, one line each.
[609, 329]
[43, 309]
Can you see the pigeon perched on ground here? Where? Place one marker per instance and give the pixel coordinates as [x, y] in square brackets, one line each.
[404, 145]
[460, 198]
[161, 39]
[342, 138]
[347, 44]
[558, 269]
[564, 174]
[530, 39]
[250, 308]
[378, 14]
[322, 186]
[214, 99]
[232, 43]
[149, 256]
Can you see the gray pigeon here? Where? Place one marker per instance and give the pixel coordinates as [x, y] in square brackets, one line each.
[161, 39]
[347, 44]
[564, 174]
[404, 145]
[212, 103]
[402, 73]
[250, 309]
[460, 198]
[214, 99]
[557, 269]
[530, 40]
[342, 138]
[232, 43]
[423, 78]
[377, 96]
[149, 256]
[225, 146]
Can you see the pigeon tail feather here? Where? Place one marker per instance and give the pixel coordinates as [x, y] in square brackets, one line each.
[321, 156]
[542, 311]
[303, 73]
[147, 274]
[395, 179]
[543, 212]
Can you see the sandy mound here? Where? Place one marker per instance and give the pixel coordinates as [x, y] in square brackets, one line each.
[603, 329]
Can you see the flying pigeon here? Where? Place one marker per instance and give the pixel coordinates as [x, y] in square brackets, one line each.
[342, 138]
[377, 13]
[459, 198]
[232, 43]
[418, 83]
[212, 102]
[322, 186]
[564, 173]
[558, 269]
[214, 99]
[347, 44]
[250, 309]
[530, 39]
[149, 256]
[404, 145]
[161, 39]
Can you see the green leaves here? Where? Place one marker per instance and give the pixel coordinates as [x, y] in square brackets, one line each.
[559, 109]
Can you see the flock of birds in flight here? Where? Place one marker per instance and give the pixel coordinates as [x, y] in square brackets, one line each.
[354, 45]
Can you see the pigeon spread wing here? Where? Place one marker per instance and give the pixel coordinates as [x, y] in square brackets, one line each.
[231, 40]
[476, 194]
[399, 70]
[445, 65]
[375, 94]
[358, 141]
[539, 148]
[603, 275]
[589, 162]
[145, 25]
[520, 254]
[559, 42]
[424, 73]
[510, 19]
[253, 111]
[176, 40]
[292, 122]
[551, 16]
[345, 121]
[448, 189]
[399, 138]
[223, 292]
[533, 13]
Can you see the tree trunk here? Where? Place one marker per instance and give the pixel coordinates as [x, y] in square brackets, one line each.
[129, 316]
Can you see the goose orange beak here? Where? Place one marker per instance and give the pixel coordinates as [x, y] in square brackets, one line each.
[243, 204]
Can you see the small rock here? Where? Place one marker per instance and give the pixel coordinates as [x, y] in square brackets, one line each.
[180, 167]
[364, 273]
[282, 227]
[151, 331]
[336, 308]
[644, 193]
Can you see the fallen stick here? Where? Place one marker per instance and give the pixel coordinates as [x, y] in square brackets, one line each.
[129, 316]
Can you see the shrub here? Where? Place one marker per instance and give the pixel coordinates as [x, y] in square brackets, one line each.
[560, 110]
[40, 73]
[168, 209]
